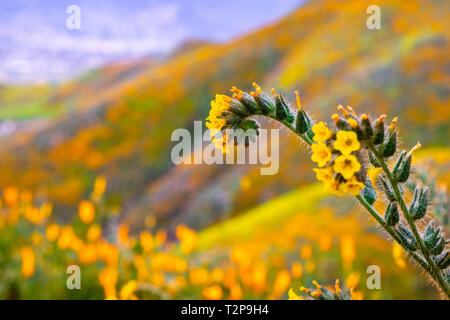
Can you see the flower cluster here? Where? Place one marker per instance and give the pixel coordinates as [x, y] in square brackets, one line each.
[337, 154]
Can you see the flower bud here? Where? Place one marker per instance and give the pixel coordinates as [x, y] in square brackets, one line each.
[356, 128]
[387, 190]
[405, 169]
[369, 192]
[283, 112]
[391, 145]
[406, 237]
[392, 216]
[266, 105]
[432, 239]
[246, 99]
[367, 127]
[238, 108]
[373, 160]
[438, 247]
[443, 260]
[419, 204]
[341, 124]
[379, 130]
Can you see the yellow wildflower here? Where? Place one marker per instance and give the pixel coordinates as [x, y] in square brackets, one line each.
[36, 238]
[297, 270]
[28, 259]
[108, 280]
[146, 241]
[321, 132]
[321, 154]
[352, 280]
[52, 232]
[347, 166]
[86, 211]
[282, 281]
[213, 292]
[66, 237]
[352, 186]
[187, 237]
[306, 251]
[335, 188]
[94, 233]
[347, 142]
[325, 175]
[99, 188]
[11, 196]
[348, 251]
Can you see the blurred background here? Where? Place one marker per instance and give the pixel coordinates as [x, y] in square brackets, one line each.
[86, 117]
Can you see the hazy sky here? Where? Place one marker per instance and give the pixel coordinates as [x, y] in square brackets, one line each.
[36, 45]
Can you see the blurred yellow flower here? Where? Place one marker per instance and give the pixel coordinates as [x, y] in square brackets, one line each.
[127, 291]
[66, 237]
[297, 270]
[36, 238]
[352, 280]
[347, 142]
[146, 240]
[86, 211]
[321, 154]
[160, 237]
[52, 232]
[99, 188]
[347, 166]
[94, 233]
[108, 280]
[212, 293]
[87, 253]
[123, 234]
[321, 132]
[198, 276]
[306, 251]
[187, 237]
[235, 292]
[281, 283]
[28, 261]
[325, 242]
[11, 196]
[348, 251]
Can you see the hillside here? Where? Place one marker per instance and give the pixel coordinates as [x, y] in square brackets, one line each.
[117, 121]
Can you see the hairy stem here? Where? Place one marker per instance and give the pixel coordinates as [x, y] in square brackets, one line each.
[433, 268]
[391, 232]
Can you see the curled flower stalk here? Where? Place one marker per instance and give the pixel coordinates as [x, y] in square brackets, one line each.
[353, 158]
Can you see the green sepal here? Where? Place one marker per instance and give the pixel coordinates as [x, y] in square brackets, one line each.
[391, 145]
[392, 216]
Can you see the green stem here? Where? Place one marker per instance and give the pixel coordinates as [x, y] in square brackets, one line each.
[433, 269]
[390, 230]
